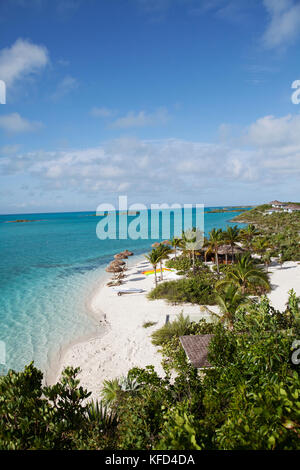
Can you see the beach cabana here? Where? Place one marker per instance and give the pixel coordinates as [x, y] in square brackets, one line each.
[196, 349]
[225, 250]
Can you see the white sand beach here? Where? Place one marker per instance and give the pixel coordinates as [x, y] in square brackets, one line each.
[126, 343]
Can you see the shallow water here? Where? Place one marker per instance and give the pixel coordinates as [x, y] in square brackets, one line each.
[48, 271]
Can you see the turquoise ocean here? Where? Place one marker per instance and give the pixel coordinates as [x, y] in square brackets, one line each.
[49, 270]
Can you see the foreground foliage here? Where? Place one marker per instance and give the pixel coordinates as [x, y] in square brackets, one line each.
[248, 400]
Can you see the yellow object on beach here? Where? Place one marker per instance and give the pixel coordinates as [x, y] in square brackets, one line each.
[152, 271]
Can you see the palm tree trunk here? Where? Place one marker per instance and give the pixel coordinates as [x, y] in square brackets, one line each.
[193, 262]
[155, 277]
[217, 260]
[232, 254]
[161, 271]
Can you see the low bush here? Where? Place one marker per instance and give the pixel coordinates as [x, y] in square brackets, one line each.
[195, 290]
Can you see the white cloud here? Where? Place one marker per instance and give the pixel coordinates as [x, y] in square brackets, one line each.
[266, 154]
[65, 86]
[270, 131]
[284, 24]
[142, 119]
[22, 59]
[14, 123]
[102, 112]
[9, 149]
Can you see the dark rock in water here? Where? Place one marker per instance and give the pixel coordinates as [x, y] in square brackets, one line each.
[21, 220]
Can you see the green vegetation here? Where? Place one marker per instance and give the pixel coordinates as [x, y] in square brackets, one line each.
[176, 328]
[154, 258]
[184, 266]
[249, 399]
[279, 233]
[247, 276]
[195, 290]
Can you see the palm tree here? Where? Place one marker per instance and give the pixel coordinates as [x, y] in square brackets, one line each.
[110, 391]
[248, 234]
[266, 258]
[230, 300]
[231, 236]
[163, 251]
[208, 248]
[154, 258]
[176, 243]
[260, 245]
[187, 241]
[215, 239]
[245, 275]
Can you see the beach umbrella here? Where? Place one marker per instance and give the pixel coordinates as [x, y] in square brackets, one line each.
[128, 253]
[113, 269]
[166, 242]
[121, 255]
[117, 262]
[155, 245]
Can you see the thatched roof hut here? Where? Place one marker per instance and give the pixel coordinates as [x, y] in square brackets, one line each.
[227, 250]
[196, 349]
[224, 249]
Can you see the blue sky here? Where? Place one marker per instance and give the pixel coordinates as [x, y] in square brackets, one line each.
[165, 101]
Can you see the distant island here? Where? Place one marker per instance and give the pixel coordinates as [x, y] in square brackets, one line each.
[227, 209]
[117, 212]
[21, 221]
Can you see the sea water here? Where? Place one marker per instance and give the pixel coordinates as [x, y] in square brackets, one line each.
[49, 269]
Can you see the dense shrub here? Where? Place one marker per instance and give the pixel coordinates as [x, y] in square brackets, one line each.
[196, 290]
[184, 266]
[36, 417]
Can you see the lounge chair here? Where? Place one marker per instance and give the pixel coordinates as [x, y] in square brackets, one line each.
[127, 290]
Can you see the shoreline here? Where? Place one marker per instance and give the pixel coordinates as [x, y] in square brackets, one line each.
[124, 343]
[101, 327]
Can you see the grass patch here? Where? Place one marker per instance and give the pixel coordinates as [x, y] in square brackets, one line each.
[148, 324]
